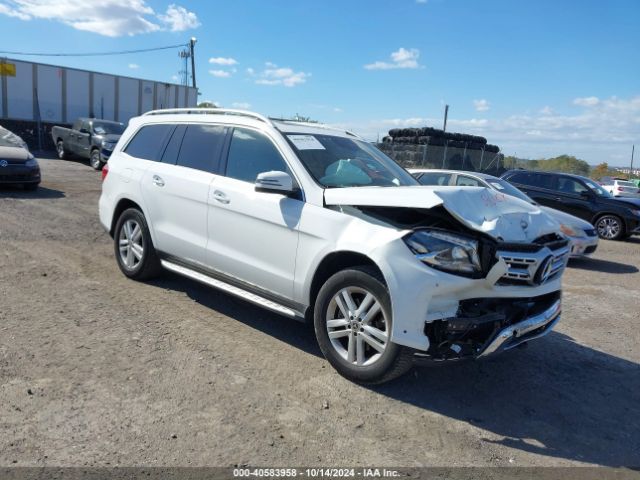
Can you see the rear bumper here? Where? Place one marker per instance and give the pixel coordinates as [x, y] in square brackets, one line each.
[528, 329]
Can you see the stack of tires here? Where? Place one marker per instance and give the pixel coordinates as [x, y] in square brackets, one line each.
[433, 136]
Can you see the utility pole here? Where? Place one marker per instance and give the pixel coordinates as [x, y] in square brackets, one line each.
[633, 148]
[192, 44]
[446, 114]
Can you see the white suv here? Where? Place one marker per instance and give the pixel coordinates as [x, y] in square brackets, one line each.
[319, 225]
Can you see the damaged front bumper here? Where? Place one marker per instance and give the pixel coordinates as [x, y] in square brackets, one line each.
[533, 327]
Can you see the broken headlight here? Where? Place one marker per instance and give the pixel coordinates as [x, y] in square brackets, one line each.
[446, 251]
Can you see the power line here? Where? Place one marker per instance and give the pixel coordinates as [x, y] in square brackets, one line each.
[93, 54]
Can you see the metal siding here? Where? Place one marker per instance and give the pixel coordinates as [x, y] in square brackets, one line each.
[193, 97]
[128, 101]
[103, 96]
[20, 92]
[164, 95]
[77, 95]
[50, 93]
[147, 96]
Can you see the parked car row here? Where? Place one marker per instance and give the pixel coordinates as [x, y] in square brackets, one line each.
[582, 235]
[620, 187]
[614, 218]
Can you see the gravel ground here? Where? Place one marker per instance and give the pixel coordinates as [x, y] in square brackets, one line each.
[98, 370]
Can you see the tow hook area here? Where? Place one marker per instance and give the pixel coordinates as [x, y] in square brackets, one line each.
[487, 326]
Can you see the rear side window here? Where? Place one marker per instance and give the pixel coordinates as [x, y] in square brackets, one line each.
[173, 147]
[251, 153]
[435, 178]
[464, 181]
[201, 147]
[149, 142]
[542, 181]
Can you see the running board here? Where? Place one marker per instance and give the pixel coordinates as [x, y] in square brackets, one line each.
[232, 289]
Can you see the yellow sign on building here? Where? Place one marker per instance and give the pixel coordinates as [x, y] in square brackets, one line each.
[8, 69]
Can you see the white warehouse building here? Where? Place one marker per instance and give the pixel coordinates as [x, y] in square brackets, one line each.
[32, 92]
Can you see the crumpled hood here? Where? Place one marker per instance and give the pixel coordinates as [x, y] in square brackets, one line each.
[501, 216]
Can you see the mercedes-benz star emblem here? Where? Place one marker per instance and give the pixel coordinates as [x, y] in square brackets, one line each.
[524, 224]
[3, 163]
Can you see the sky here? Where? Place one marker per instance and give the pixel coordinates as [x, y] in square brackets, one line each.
[537, 78]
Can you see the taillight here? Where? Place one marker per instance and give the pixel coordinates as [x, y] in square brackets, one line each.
[620, 189]
[105, 170]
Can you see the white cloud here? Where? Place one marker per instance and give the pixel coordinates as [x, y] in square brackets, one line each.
[134, 66]
[481, 105]
[421, 1]
[241, 105]
[220, 73]
[13, 12]
[274, 75]
[111, 18]
[251, 71]
[602, 131]
[179, 19]
[546, 110]
[223, 61]
[402, 58]
[586, 101]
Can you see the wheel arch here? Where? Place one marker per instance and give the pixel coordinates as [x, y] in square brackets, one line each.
[332, 264]
[122, 205]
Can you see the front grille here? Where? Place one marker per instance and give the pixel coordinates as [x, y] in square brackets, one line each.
[15, 178]
[528, 267]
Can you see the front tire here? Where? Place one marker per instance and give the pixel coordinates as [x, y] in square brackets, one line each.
[610, 227]
[60, 150]
[30, 187]
[94, 160]
[135, 254]
[352, 322]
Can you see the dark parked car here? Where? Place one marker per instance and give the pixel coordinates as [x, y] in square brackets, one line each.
[17, 165]
[613, 218]
[89, 138]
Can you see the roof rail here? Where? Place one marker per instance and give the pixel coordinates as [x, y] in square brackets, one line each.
[315, 125]
[209, 111]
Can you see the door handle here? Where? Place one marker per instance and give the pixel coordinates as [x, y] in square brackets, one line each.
[220, 197]
[158, 181]
[558, 199]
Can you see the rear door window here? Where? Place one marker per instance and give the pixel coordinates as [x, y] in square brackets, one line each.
[571, 186]
[170, 154]
[201, 147]
[465, 181]
[434, 178]
[149, 142]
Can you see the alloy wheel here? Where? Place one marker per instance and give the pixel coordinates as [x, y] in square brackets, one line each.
[609, 227]
[130, 244]
[357, 326]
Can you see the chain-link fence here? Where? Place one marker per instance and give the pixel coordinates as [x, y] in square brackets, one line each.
[445, 157]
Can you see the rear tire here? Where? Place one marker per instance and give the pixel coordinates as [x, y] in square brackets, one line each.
[352, 322]
[60, 150]
[135, 254]
[30, 187]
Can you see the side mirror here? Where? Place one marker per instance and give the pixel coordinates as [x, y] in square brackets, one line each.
[274, 182]
[585, 194]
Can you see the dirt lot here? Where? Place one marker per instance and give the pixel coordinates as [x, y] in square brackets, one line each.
[98, 370]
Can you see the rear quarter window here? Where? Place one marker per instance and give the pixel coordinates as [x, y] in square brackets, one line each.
[149, 142]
